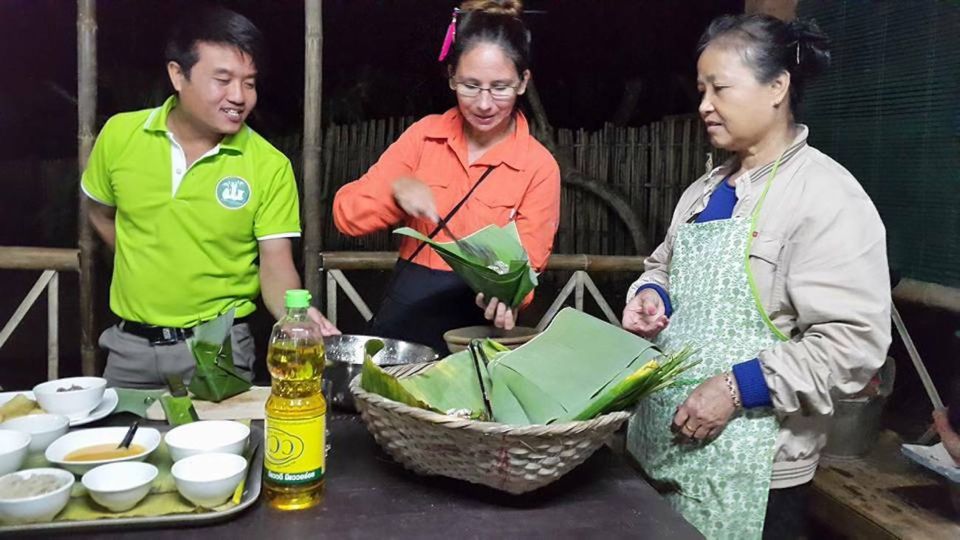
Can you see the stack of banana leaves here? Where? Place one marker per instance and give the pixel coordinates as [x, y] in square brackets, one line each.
[580, 367]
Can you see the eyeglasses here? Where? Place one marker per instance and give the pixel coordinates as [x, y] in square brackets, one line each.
[500, 92]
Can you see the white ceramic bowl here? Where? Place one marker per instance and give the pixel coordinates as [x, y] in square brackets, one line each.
[42, 428]
[207, 437]
[208, 480]
[118, 487]
[74, 404]
[13, 450]
[148, 438]
[40, 508]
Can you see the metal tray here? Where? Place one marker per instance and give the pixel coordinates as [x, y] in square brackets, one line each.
[250, 495]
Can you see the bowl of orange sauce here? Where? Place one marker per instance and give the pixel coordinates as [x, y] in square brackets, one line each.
[83, 449]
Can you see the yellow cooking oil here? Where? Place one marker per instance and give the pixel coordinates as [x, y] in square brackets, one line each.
[295, 425]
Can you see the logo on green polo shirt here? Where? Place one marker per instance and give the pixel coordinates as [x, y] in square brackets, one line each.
[233, 192]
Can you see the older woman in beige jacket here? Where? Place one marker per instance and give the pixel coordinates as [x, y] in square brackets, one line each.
[775, 268]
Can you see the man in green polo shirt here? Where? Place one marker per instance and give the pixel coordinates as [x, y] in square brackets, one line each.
[199, 208]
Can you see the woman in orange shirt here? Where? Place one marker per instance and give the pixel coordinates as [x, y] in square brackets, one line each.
[473, 166]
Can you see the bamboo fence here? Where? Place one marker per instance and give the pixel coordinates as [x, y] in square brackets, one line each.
[650, 166]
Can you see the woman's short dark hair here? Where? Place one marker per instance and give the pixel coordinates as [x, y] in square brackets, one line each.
[771, 46]
[214, 25]
[492, 21]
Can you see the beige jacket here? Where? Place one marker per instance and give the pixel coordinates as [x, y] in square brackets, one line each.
[820, 264]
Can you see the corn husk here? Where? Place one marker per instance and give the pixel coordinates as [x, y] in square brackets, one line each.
[517, 278]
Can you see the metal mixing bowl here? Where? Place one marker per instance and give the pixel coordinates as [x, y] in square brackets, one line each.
[345, 358]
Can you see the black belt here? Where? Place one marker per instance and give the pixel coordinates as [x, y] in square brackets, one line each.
[161, 335]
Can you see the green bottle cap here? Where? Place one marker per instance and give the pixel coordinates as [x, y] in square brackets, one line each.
[298, 298]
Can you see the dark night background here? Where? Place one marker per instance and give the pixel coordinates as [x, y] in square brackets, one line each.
[379, 61]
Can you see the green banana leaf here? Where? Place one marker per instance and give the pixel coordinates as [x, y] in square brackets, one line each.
[578, 368]
[573, 360]
[448, 386]
[214, 378]
[649, 378]
[374, 379]
[511, 286]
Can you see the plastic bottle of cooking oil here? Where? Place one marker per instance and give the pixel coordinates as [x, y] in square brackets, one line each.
[295, 425]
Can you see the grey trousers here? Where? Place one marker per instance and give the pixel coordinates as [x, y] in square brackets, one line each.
[132, 362]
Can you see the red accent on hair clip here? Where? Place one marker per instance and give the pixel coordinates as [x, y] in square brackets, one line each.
[450, 37]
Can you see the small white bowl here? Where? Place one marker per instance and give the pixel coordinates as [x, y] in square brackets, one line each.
[148, 438]
[207, 437]
[74, 404]
[42, 428]
[208, 480]
[118, 487]
[13, 450]
[41, 507]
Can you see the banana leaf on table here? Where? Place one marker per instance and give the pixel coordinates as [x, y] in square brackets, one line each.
[509, 278]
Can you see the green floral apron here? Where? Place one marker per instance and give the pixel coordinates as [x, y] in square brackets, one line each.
[721, 486]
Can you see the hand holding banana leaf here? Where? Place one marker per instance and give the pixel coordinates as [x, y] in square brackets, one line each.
[506, 274]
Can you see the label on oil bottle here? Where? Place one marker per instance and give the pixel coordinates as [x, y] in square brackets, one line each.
[295, 450]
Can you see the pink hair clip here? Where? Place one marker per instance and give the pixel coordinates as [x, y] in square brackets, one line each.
[450, 37]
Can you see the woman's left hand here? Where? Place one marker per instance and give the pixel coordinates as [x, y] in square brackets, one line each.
[706, 410]
[496, 311]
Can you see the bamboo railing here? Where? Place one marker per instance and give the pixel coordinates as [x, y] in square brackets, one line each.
[51, 261]
[579, 285]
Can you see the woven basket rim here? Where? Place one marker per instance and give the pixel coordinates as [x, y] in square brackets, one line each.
[486, 428]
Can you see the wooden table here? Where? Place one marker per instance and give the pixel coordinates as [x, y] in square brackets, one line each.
[884, 495]
[370, 496]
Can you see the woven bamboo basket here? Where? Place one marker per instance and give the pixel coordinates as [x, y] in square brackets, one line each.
[515, 459]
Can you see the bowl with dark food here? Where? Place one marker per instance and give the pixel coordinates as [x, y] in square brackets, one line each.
[34, 495]
[345, 356]
[73, 397]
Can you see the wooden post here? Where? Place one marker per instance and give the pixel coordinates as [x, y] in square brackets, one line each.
[86, 120]
[312, 89]
[53, 327]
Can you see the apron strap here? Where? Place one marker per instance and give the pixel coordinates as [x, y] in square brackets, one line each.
[446, 219]
[402, 264]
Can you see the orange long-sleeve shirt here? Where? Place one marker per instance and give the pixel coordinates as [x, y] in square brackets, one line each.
[525, 187]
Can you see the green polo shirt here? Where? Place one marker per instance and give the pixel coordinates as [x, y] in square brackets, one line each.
[187, 252]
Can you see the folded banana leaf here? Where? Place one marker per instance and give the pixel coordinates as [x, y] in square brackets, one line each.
[214, 378]
[509, 278]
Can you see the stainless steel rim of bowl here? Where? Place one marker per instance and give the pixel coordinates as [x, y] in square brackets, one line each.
[350, 349]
